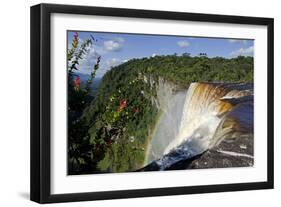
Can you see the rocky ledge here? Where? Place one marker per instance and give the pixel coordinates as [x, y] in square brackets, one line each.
[238, 152]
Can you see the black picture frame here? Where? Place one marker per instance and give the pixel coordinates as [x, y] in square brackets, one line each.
[40, 102]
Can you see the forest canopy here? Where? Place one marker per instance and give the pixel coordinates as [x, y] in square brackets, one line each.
[186, 69]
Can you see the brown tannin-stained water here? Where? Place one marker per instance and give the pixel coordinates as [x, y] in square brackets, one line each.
[198, 119]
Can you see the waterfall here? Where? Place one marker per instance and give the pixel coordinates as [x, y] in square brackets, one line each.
[167, 126]
[197, 119]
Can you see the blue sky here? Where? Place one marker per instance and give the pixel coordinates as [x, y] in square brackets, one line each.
[117, 48]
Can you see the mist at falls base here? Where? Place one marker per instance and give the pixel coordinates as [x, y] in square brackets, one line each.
[197, 119]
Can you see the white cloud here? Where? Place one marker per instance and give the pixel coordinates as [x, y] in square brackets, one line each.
[87, 63]
[113, 62]
[243, 52]
[233, 40]
[183, 43]
[107, 65]
[237, 41]
[153, 55]
[119, 39]
[113, 45]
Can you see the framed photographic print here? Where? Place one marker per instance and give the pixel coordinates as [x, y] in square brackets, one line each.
[132, 103]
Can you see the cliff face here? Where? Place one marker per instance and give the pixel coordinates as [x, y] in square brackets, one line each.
[165, 91]
[169, 100]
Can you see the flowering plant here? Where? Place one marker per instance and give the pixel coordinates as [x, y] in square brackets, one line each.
[79, 149]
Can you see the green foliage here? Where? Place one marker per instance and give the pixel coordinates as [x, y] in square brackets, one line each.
[122, 131]
[118, 123]
[185, 69]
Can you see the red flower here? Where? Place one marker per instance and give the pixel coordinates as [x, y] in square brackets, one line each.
[136, 110]
[122, 104]
[77, 82]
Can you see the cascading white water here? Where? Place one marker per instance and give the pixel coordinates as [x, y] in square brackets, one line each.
[193, 120]
[200, 116]
[170, 119]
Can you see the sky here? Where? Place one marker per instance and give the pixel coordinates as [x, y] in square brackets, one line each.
[117, 48]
